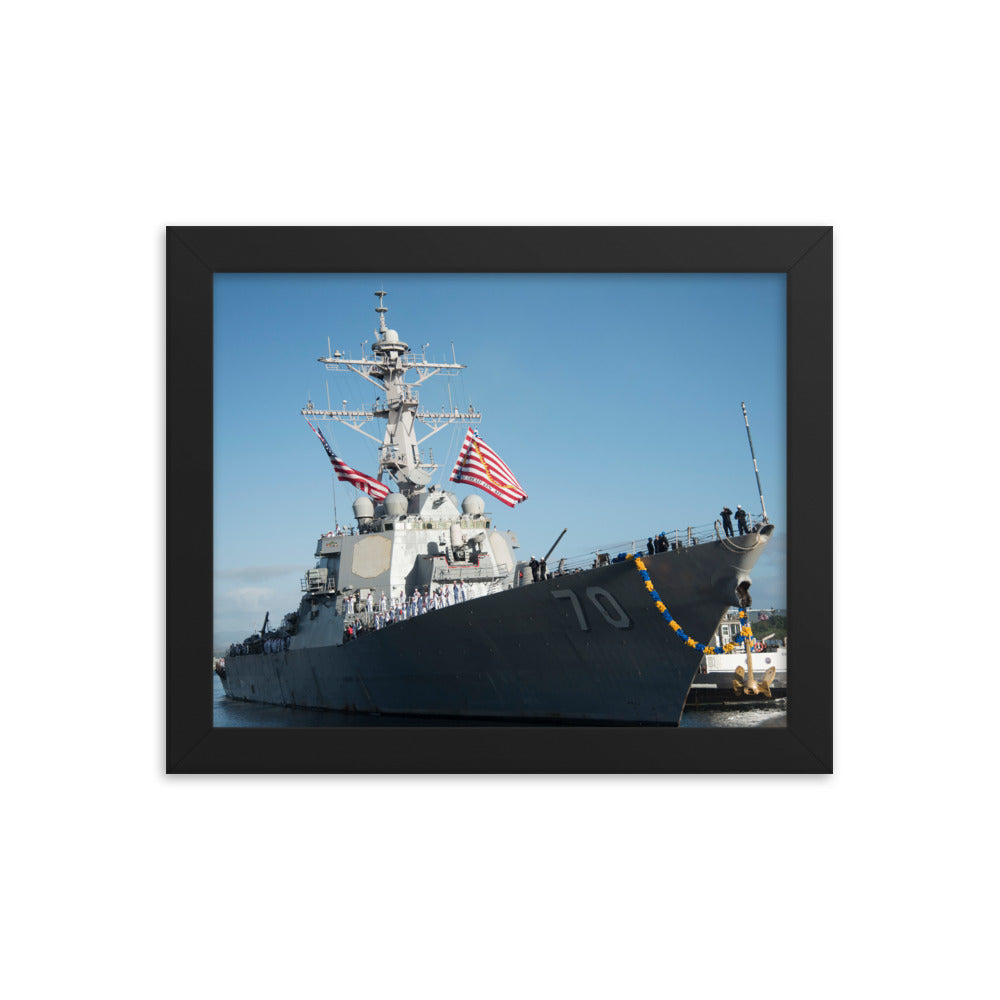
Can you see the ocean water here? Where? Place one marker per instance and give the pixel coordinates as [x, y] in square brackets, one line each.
[244, 714]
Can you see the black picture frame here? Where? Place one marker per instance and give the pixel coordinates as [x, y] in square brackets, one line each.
[195, 254]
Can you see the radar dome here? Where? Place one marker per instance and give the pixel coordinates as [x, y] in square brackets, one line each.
[395, 504]
[390, 337]
[363, 507]
[473, 505]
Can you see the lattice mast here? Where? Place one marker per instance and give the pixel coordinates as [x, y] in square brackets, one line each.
[387, 367]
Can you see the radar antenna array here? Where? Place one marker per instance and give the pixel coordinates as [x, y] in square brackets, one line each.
[387, 367]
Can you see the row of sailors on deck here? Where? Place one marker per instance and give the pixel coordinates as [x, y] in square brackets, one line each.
[272, 644]
[399, 609]
[402, 607]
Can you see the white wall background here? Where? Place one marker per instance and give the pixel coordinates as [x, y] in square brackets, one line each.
[121, 118]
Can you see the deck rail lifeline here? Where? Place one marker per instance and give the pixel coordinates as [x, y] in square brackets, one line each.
[616, 551]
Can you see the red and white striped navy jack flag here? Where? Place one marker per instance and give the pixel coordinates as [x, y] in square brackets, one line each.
[346, 474]
[480, 466]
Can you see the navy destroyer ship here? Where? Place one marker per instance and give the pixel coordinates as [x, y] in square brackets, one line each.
[423, 608]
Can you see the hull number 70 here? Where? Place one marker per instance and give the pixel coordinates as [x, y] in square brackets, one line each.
[611, 611]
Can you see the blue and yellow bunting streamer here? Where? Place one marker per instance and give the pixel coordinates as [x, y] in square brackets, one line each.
[681, 634]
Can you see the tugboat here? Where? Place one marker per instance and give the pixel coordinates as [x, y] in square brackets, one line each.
[423, 608]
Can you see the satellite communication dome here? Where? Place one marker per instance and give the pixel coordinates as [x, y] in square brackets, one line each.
[363, 507]
[473, 505]
[390, 336]
[395, 504]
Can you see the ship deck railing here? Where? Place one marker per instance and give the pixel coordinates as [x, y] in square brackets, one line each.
[679, 538]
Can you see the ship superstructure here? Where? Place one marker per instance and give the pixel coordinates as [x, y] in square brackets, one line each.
[418, 540]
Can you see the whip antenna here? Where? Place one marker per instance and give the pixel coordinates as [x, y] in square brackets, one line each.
[763, 509]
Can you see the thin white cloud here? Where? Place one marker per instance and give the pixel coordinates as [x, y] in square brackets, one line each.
[244, 599]
[257, 574]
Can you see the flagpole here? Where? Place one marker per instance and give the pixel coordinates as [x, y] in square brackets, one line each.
[336, 522]
[746, 420]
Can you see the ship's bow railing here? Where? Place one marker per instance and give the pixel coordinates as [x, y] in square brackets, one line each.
[678, 538]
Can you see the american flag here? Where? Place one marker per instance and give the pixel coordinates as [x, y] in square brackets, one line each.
[480, 466]
[375, 489]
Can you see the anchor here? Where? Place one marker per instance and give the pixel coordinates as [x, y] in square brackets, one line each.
[745, 683]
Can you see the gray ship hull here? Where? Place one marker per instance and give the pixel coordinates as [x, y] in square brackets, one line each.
[586, 647]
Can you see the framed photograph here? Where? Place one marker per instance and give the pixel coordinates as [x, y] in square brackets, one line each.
[499, 499]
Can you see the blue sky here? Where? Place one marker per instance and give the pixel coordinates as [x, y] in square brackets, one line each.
[615, 400]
